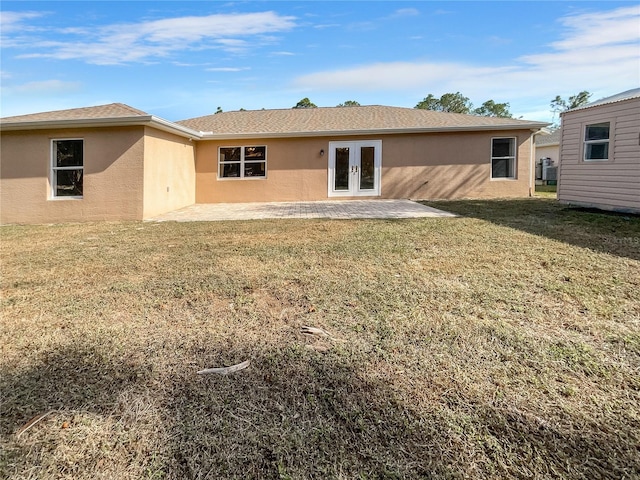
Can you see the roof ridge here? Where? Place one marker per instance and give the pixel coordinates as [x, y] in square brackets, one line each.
[310, 110]
[128, 107]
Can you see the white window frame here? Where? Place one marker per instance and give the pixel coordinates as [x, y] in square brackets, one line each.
[513, 157]
[242, 162]
[54, 169]
[586, 142]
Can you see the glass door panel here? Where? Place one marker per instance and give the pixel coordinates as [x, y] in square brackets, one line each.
[342, 169]
[367, 168]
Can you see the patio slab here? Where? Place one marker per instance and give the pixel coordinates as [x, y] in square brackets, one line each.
[339, 209]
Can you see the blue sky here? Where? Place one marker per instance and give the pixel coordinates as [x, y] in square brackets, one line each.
[184, 59]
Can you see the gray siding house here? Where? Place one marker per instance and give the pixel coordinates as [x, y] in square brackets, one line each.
[600, 154]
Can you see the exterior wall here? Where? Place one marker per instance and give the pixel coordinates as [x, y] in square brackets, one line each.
[112, 185]
[612, 184]
[169, 172]
[417, 166]
[548, 151]
[450, 166]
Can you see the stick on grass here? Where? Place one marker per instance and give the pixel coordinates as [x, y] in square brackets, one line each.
[225, 370]
[32, 422]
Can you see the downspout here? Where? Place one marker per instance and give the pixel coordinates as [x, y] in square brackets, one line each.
[532, 170]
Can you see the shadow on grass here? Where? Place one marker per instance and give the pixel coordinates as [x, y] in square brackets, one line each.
[300, 414]
[295, 413]
[609, 232]
[69, 377]
[71, 386]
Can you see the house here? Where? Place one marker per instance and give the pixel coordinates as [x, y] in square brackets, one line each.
[600, 154]
[111, 162]
[114, 162]
[547, 155]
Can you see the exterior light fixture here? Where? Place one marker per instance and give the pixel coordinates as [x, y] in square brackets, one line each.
[322, 152]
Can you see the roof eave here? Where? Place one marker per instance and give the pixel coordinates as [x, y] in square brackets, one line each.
[139, 120]
[599, 103]
[162, 124]
[534, 126]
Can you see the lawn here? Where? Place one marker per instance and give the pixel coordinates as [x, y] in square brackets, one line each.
[546, 191]
[504, 343]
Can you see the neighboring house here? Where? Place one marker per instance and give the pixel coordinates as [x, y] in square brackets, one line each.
[600, 154]
[114, 162]
[547, 155]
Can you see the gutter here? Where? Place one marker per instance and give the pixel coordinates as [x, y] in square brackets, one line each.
[532, 148]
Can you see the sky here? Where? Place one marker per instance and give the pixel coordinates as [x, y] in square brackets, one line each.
[184, 59]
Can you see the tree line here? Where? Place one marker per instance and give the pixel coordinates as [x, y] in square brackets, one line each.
[458, 103]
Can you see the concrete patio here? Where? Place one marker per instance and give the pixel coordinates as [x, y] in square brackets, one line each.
[338, 209]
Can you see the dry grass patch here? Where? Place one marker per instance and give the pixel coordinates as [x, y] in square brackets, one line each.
[505, 343]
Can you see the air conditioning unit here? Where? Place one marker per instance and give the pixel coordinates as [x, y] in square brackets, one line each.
[549, 173]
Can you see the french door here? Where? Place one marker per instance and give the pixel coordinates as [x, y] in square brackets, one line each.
[354, 168]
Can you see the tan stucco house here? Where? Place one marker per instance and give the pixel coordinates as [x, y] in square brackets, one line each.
[114, 162]
[600, 154]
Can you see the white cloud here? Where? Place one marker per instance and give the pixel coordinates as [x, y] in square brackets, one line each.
[226, 69]
[148, 40]
[406, 12]
[327, 25]
[14, 21]
[598, 52]
[601, 28]
[45, 87]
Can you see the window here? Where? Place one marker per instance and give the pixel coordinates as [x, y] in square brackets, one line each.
[67, 168]
[503, 158]
[596, 142]
[242, 162]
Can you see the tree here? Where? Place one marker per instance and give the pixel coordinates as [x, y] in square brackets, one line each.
[349, 103]
[493, 109]
[305, 103]
[458, 103]
[449, 102]
[558, 104]
[429, 103]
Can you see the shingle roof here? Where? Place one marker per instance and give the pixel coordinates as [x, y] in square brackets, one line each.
[275, 123]
[344, 120]
[112, 110]
[113, 114]
[618, 97]
[551, 139]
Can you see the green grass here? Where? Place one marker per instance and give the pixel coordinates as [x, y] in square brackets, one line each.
[501, 344]
[546, 191]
